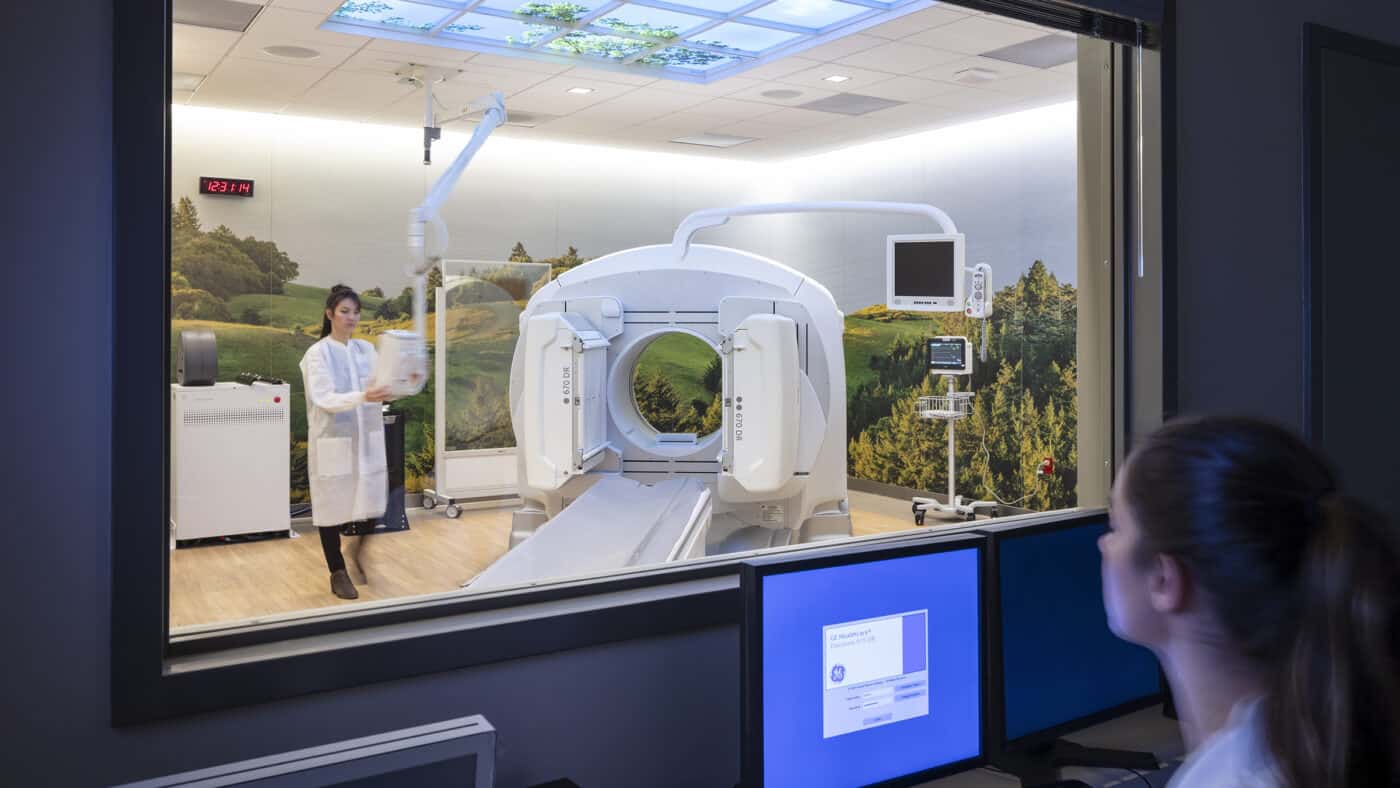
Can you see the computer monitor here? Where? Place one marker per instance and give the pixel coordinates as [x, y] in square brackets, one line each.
[925, 272]
[1058, 667]
[949, 356]
[864, 666]
[459, 752]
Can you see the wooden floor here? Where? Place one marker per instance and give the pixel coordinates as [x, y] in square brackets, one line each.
[211, 583]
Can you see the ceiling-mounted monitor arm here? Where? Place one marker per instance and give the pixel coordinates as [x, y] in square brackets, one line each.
[715, 217]
[426, 249]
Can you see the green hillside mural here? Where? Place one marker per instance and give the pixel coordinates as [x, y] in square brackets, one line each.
[244, 290]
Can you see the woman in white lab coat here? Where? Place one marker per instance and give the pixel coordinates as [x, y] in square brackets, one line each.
[345, 432]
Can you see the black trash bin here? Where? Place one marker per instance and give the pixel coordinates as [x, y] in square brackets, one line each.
[395, 514]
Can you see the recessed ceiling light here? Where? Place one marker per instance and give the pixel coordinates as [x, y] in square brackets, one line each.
[580, 91]
[837, 78]
[296, 53]
[781, 93]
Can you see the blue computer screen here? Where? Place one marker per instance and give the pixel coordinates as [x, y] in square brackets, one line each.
[1060, 660]
[871, 670]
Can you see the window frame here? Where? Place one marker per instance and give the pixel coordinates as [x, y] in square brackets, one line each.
[222, 667]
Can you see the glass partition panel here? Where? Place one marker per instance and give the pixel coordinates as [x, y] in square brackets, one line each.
[480, 325]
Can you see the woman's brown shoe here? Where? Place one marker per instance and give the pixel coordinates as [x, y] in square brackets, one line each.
[341, 585]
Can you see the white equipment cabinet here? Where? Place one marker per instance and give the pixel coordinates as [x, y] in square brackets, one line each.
[229, 463]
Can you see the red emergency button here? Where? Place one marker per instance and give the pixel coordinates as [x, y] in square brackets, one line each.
[276, 400]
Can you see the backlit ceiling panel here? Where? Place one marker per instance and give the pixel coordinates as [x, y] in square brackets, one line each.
[687, 40]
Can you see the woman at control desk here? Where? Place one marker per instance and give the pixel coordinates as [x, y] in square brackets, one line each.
[1272, 600]
[345, 432]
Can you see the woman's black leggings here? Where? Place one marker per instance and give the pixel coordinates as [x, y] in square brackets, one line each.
[330, 545]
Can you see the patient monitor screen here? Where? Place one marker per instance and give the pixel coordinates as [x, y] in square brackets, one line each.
[948, 354]
[924, 269]
[870, 670]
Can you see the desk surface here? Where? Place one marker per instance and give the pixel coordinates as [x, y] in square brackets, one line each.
[1142, 730]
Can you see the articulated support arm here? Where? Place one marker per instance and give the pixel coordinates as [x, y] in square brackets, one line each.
[715, 217]
[425, 247]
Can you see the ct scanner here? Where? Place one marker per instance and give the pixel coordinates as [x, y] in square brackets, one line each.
[603, 490]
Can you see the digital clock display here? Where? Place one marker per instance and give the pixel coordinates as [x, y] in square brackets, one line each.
[232, 187]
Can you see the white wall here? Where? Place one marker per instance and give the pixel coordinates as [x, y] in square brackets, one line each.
[335, 196]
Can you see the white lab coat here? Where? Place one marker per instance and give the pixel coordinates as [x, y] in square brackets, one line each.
[345, 435]
[1235, 756]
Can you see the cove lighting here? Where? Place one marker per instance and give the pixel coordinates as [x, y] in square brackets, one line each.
[686, 40]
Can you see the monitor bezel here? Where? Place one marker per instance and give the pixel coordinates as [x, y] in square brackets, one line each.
[1000, 744]
[752, 574]
[954, 304]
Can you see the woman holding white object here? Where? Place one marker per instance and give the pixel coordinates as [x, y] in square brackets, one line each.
[345, 432]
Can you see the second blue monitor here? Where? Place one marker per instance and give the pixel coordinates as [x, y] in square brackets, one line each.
[1061, 663]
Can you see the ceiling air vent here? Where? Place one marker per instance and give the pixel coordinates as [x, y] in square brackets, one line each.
[1044, 52]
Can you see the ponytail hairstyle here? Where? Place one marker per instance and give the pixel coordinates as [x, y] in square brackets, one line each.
[1304, 580]
[338, 293]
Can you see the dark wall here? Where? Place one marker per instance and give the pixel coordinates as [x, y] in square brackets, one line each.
[1239, 142]
[656, 712]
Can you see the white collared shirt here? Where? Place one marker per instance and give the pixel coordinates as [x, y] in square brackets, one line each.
[1234, 756]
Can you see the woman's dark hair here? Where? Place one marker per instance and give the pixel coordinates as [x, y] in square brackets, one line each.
[338, 293]
[1305, 579]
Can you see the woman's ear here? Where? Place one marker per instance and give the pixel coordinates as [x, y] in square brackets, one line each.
[1168, 584]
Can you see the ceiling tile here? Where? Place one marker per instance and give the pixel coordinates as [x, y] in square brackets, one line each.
[347, 89]
[841, 47]
[524, 64]
[974, 35]
[281, 26]
[197, 50]
[752, 128]
[1067, 68]
[322, 7]
[794, 118]
[419, 53]
[588, 75]
[918, 21]
[651, 98]
[551, 96]
[971, 99]
[907, 89]
[681, 123]
[722, 87]
[732, 109]
[947, 72]
[257, 80]
[781, 68]
[899, 58]
[180, 96]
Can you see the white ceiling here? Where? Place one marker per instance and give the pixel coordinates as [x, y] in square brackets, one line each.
[911, 59]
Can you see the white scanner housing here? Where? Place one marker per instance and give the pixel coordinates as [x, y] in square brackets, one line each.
[775, 471]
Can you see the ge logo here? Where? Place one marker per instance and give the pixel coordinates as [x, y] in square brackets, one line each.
[838, 673]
